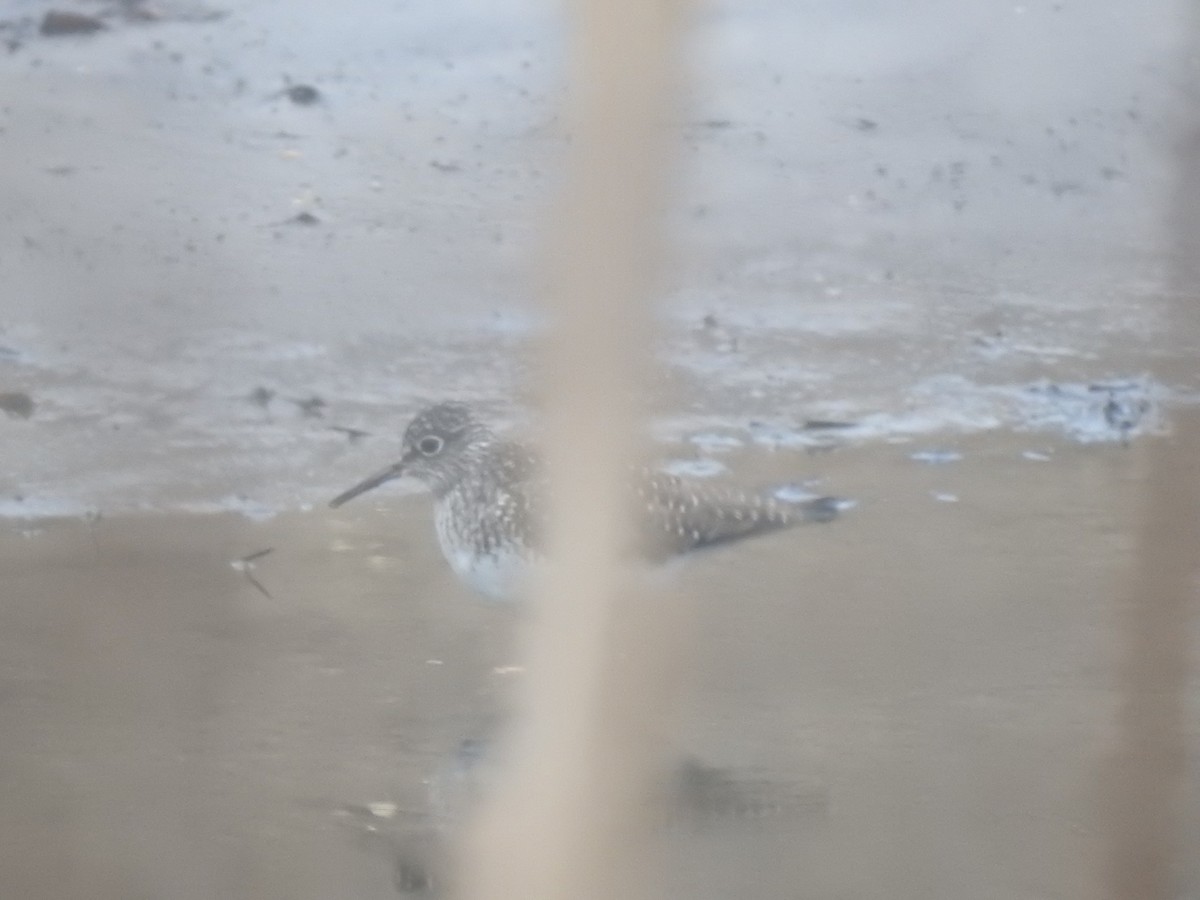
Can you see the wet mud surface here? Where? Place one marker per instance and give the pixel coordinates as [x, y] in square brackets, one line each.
[246, 243]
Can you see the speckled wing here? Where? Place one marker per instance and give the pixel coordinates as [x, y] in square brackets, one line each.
[681, 516]
[675, 515]
[505, 498]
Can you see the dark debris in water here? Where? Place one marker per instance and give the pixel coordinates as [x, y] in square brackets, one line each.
[1116, 410]
[246, 565]
[1124, 413]
[702, 793]
[412, 874]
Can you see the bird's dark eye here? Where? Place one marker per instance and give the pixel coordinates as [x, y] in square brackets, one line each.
[430, 445]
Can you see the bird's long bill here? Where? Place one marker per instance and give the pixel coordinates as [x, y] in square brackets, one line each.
[382, 477]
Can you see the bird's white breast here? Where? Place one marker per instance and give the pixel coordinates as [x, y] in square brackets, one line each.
[497, 573]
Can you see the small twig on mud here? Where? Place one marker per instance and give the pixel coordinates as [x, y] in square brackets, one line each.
[245, 565]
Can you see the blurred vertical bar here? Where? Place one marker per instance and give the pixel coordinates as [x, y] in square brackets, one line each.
[1149, 766]
[564, 821]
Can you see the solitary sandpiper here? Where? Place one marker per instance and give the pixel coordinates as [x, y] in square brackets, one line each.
[488, 496]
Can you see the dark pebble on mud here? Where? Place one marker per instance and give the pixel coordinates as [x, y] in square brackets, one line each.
[311, 407]
[56, 22]
[261, 396]
[303, 94]
[825, 425]
[352, 434]
[18, 405]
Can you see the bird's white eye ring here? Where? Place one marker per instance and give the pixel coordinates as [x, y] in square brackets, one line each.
[430, 445]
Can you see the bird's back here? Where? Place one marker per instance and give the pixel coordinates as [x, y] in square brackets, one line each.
[680, 516]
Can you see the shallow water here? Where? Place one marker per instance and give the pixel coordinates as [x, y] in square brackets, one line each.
[939, 675]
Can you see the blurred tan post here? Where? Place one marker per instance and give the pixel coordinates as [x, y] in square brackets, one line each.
[565, 819]
[1147, 775]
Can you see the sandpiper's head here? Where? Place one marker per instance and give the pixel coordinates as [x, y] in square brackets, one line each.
[438, 446]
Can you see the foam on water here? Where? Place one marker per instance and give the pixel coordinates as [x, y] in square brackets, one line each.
[247, 423]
